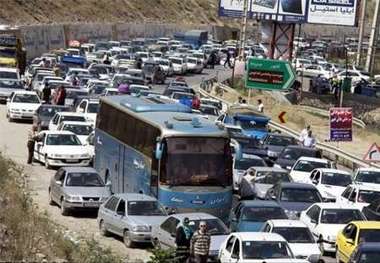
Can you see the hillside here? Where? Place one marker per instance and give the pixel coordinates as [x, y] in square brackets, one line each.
[62, 11]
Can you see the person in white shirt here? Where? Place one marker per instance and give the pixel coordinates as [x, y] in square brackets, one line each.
[304, 133]
[260, 107]
[309, 140]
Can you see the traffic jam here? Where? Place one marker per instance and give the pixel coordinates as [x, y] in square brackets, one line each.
[125, 134]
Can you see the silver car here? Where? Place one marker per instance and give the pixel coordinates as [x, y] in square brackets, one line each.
[130, 216]
[163, 235]
[77, 188]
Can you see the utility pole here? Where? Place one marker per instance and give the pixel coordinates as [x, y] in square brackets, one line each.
[243, 35]
[373, 40]
[361, 32]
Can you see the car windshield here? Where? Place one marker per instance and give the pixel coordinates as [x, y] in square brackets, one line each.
[98, 89]
[212, 156]
[93, 108]
[368, 196]
[84, 180]
[340, 216]
[279, 141]
[8, 75]
[271, 177]
[26, 98]
[369, 257]
[337, 179]
[209, 111]
[73, 118]
[300, 195]
[176, 61]
[262, 250]
[368, 177]
[10, 84]
[246, 163]
[214, 226]
[62, 139]
[262, 214]
[8, 52]
[252, 125]
[369, 235]
[47, 111]
[164, 62]
[295, 234]
[145, 208]
[295, 153]
[78, 129]
[308, 166]
[181, 96]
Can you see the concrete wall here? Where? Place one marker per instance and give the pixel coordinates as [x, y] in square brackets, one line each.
[42, 38]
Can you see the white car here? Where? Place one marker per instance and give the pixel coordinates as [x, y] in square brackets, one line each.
[194, 65]
[355, 75]
[179, 65]
[256, 247]
[60, 148]
[301, 241]
[10, 74]
[22, 105]
[325, 220]
[359, 195]
[89, 108]
[65, 116]
[367, 175]
[90, 145]
[330, 182]
[143, 55]
[240, 166]
[314, 71]
[79, 128]
[167, 66]
[302, 168]
[78, 71]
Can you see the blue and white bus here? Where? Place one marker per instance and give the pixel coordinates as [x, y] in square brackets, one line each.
[146, 145]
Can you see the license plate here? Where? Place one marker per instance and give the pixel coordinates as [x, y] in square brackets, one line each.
[72, 160]
[91, 204]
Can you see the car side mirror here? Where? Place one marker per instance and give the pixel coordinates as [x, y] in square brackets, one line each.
[234, 256]
[120, 213]
[314, 221]
[58, 183]
[350, 241]
[314, 181]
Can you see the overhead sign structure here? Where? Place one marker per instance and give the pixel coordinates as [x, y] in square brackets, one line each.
[268, 74]
[341, 124]
[287, 11]
[281, 117]
[373, 154]
[333, 12]
[231, 8]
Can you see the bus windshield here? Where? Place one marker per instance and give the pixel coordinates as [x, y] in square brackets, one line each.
[195, 162]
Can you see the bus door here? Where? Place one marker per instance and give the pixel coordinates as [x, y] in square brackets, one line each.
[120, 170]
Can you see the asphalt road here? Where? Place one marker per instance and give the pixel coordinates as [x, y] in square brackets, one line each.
[13, 137]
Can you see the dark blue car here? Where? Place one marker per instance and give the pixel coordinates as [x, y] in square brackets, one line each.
[366, 253]
[249, 216]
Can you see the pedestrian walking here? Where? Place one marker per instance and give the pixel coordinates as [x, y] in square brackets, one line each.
[32, 135]
[182, 240]
[200, 244]
[310, 141]
[46, 93]
[260, 105]
[60, 96]
[228, 60]
[304, 134]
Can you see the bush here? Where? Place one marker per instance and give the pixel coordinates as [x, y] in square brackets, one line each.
[162, 256]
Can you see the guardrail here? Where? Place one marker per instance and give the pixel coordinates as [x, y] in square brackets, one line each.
[325, 113]
[330, 152]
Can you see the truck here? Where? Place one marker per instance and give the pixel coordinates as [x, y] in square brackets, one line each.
[195, 38]
[12, 53]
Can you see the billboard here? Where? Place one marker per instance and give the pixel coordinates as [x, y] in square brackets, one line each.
[286, 11]
[232, 8]
[340, 124]
[333, 12]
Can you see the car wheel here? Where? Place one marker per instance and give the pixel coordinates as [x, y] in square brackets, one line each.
[103, 229]
[156, 243]
[47, 163]
[51, 202]
[127, 239]
[64, 210]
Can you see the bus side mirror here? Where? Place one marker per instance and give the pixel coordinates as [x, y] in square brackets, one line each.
[159, 150]
[238, 151]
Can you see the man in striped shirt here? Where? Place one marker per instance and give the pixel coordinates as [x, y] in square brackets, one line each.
[200, 244]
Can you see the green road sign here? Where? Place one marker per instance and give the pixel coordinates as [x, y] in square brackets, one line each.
[269, 74]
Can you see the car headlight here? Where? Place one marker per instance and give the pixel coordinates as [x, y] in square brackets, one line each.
[86, 155]
[73, 198]
[15, 110]
[55, 155]
[291, 214]
[141, 228]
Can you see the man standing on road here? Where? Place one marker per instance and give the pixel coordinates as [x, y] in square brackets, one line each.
[61, 96]
[182, 240]
[46, 93]
[32, 135]
[304, 134]
[309, 140]
[228, 60]
[260, 106]
[200, 244]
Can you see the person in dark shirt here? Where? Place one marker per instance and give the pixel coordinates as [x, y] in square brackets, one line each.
[182, 240]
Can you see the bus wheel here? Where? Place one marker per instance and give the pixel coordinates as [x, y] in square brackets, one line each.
[127, 239]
